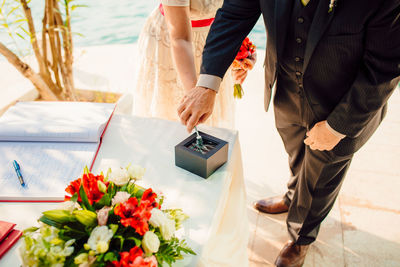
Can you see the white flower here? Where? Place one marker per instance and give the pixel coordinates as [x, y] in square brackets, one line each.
[167, 229]
[119, 177]
[157, 218]
[120, 197]
[166, 225]
[150, 243]
[35, 248]
[102, 187]
[81, 258]
[100, 238]
[69, 206]
[136, 172]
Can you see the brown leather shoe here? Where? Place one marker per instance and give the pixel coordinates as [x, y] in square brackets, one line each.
[291, 255]
[273, 205]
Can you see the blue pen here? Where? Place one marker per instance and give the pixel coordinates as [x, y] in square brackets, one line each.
[17, 170]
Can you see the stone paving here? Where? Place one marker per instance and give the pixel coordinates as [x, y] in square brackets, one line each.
[363, 227]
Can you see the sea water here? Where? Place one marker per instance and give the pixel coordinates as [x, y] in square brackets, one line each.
[99, 22]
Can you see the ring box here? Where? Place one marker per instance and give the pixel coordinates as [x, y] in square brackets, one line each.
[201, 163]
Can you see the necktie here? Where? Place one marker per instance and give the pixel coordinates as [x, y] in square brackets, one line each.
[304, 2]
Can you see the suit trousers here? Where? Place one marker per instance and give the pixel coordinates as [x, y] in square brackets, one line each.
[316, 176]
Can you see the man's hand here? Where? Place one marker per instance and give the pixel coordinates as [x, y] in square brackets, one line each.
[321, 138]
[196, 106]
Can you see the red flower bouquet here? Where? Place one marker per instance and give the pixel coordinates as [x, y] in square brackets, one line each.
[106, 221]
[245, 60]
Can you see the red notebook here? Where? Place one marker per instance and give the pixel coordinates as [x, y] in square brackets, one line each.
[5, 229]
[9, 241]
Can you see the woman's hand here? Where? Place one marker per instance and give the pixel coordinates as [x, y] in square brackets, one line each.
[238, 75]
[240, 68]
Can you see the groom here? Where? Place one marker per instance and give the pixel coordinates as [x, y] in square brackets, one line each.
[334, 65]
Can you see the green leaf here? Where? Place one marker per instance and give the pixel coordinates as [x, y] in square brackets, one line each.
[108, 173]
[138, 191]
[72, 232]
[86, 170]
[73, 7]
[30, 229]
[85, 200]
[137, 241]
[112, 190]
[124, 187]
[28, 33]
[171, 251]
[113, 227]
[20, 20]
[121, 240]
[110, 256]
[50, 222]
[74, 197]
[104, 201]
[2, 5]
[130, 189]
[12, 11]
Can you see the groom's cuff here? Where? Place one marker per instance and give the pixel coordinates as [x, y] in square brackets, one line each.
[341, 136]
[209, 81]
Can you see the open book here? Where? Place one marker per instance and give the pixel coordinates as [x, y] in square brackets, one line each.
[52, 142]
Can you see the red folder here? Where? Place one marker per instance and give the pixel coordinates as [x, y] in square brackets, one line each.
[5, 229]
[9, 241]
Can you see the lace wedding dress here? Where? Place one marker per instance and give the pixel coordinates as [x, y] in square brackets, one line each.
[158, 91]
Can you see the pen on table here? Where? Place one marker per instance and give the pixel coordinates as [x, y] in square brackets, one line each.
[18, 171]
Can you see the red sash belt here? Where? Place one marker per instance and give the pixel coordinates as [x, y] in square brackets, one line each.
[195, 23]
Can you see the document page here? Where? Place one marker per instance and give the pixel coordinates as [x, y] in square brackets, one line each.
[47, 168]
[55, 121]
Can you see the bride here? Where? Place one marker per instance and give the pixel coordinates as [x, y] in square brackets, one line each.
[170, 48]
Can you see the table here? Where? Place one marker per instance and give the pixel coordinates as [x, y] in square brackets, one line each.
[217, 229]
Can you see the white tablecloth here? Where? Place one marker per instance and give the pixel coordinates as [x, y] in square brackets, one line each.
[218, 226]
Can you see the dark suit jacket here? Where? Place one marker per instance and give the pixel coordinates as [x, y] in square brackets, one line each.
[351, 63]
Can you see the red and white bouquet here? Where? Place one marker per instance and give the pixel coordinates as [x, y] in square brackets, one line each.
[245, 60]
[106, 221]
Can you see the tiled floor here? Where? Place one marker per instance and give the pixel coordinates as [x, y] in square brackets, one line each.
[363, 227]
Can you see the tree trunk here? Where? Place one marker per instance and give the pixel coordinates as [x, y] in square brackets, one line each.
[27, 71]
[66, 65]
[44, 72]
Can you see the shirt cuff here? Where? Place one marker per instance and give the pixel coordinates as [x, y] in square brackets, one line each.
[336, 133]
[209, 81]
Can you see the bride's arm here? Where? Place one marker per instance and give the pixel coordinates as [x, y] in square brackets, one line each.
[180, 31]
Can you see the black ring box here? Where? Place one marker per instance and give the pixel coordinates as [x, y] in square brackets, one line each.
[198, 163]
